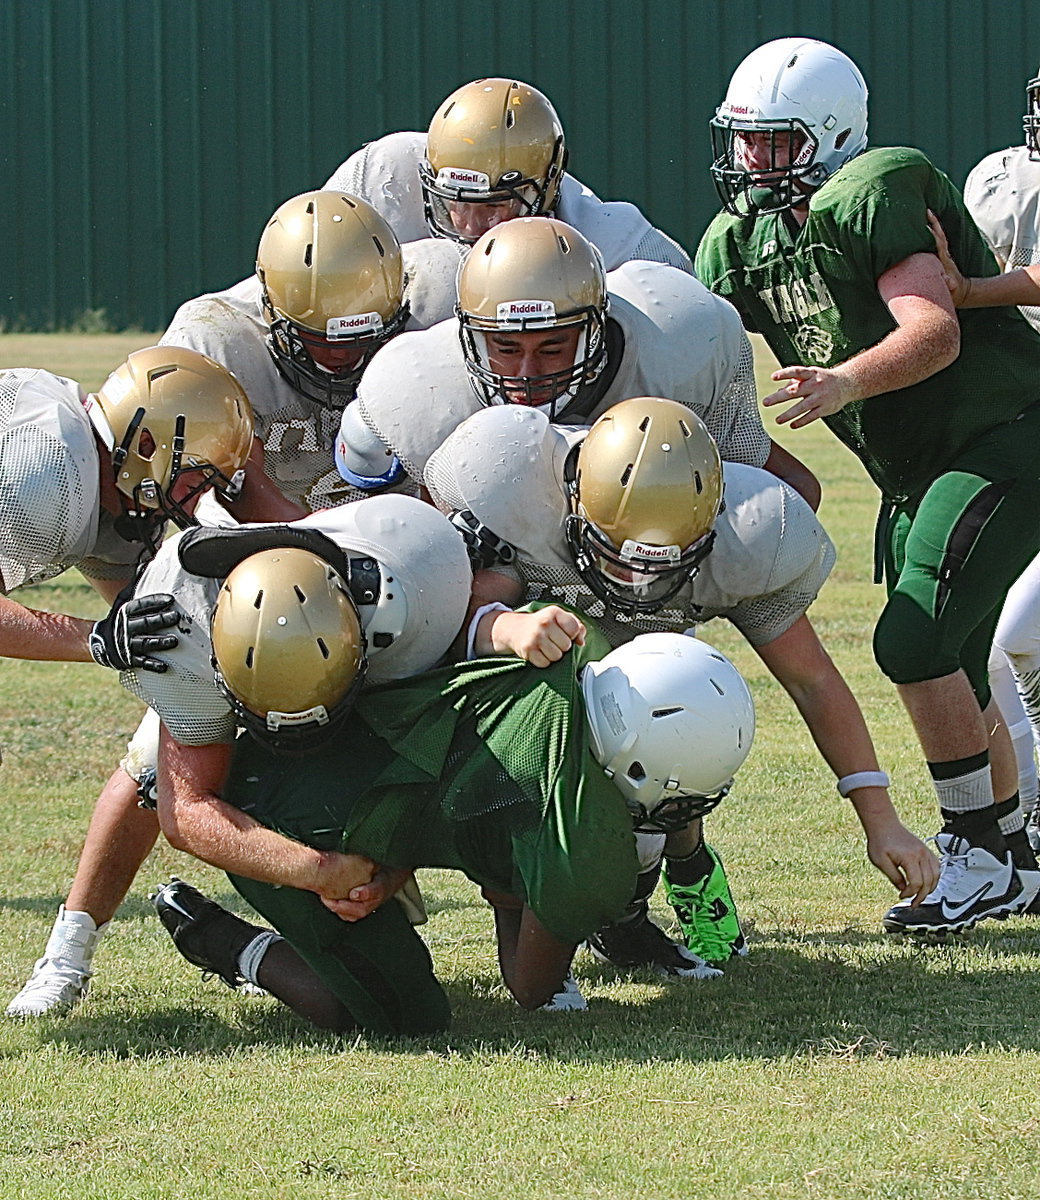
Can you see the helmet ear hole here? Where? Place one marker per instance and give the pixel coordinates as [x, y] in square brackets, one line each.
[636, 772]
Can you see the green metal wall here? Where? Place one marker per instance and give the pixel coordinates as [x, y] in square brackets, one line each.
[144, 142]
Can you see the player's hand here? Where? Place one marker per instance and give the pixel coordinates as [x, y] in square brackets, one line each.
[133, 632]
[911, 868]
[955, 281]
[369, 896]
[540, 638]
[817, 391]
[340, 874]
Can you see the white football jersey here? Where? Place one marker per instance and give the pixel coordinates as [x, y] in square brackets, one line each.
[50, 493]
[420, 556]
[1002, 193]
[770, 558]
[681, 342]
[299, 435]
[386, 174]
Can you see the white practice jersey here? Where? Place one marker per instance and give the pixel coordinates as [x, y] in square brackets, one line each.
[1002, 193]
[298, 435]
[680, 342]
[50, 492]
[770, 558]
[426, 584]
[386, 174]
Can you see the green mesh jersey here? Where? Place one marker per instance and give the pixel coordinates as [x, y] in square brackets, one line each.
[483, 767]
[812, 294]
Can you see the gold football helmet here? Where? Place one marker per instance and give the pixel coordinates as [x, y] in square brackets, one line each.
[533, 275]
[494, 151]
[644, 488]
[288, 647]
[169, 412]
[333, 291]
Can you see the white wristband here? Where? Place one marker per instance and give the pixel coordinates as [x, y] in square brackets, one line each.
[471, 636]
[849, 783]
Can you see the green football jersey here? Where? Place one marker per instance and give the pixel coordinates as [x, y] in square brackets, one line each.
[482, 767]
[812, 293]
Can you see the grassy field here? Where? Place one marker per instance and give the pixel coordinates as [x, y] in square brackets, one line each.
[832, 1062]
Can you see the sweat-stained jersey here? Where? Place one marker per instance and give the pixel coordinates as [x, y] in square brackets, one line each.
[770, 558]
[1002, 193]
[386, 174]
[422, 560]
[50, 490]
[813, 294]
[298, 435]
[677, 341]
[483, 768]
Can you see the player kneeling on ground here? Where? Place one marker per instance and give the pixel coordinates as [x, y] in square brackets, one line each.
[488, 767]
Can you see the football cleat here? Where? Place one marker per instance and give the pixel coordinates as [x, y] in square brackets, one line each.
[207, 935]
[60, 979]
[707, 914]
[567, 999]
[973, 884]
[1028, 902]
[637, 942]
[54, 988]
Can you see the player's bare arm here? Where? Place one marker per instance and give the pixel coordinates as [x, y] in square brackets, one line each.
[783, 464]
[803, 667]
[926, 340]
[1021, 286]
[260, 498]
[196, 820]
[532, 961]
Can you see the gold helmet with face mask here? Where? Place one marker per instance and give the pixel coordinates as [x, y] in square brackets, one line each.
[333, 291]
[534, 275]
[169, 413]
[288, 647]
[644, 489]
[494, 151]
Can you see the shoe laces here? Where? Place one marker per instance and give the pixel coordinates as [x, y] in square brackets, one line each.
[952, 865]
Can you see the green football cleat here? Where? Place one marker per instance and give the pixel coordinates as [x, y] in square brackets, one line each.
[707, 914]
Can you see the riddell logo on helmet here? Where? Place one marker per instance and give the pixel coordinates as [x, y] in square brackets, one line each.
[460, 177]
[526, 310]
[345, 327]
[632, 551]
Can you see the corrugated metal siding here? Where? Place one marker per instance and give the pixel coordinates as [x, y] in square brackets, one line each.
[144, 142]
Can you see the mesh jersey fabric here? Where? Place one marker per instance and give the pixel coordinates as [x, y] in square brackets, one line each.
[483, 767]
[386, 174]
[1002, 193]
[298, 435]
[813, 295]
[50, 497]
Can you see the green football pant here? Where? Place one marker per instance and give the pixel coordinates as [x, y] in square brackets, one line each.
[378, 968]
[950, 561]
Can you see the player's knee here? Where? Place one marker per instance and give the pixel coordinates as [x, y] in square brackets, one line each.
[907, 646]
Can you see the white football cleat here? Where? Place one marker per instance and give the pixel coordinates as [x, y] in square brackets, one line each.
[60, 979]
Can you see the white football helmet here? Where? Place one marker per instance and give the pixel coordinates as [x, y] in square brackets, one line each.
[810, 100]
[421, 579]
[671, 720]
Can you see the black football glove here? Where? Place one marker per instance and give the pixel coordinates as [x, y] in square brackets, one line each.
[132, 632]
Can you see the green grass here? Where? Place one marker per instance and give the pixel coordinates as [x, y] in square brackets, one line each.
[832, 1062]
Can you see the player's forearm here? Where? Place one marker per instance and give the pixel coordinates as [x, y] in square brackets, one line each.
[532, 961]
[225, 837]
[1021, 286]
[908, 355]
[52, 637]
